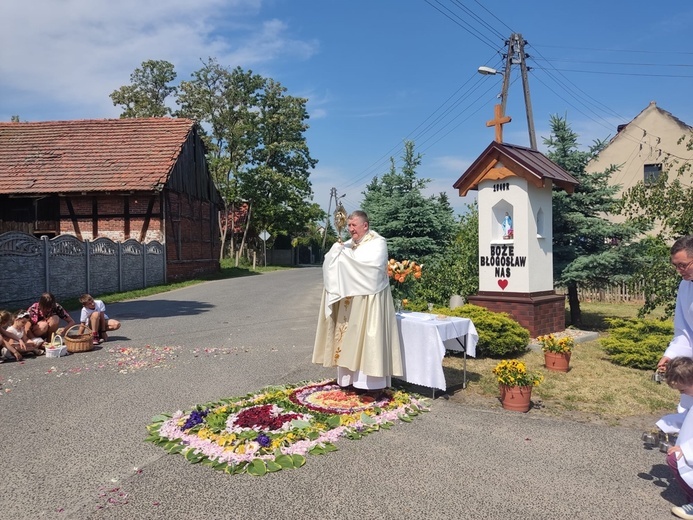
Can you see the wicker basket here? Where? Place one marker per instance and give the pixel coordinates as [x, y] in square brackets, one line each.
[77, 342]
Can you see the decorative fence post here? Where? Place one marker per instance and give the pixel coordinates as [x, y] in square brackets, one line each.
[46, 263]
[120, 266]
[88, 255]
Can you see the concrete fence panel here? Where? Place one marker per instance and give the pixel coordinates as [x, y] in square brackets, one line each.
[68, 267]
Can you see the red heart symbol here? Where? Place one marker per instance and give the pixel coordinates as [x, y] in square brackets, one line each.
[502, 284]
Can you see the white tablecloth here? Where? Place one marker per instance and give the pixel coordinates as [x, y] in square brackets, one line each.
[425, 338]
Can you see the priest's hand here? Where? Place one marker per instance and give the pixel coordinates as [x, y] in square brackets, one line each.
[662, 365]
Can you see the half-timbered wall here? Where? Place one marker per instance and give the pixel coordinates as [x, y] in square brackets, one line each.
[118, 217]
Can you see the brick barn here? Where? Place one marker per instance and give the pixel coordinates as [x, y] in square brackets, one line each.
[142, 178]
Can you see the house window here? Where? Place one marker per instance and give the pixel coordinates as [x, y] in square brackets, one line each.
[652, 173]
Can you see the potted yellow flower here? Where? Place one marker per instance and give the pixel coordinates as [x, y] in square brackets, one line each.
[557, 352]
[515, 384]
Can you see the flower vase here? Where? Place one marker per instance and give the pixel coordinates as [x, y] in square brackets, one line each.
[515, 398]
[557, 361]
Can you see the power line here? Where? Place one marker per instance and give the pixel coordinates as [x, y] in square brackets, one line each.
[571, 87]
[489, 12]
[478, 18]
[481, 105]
[469, 28]
[447, 107]
[639, 143]
[492, 87]
[619, 62]
[611, 50]
[622, 73]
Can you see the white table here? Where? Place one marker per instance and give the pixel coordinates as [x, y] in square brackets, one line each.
[425, 338]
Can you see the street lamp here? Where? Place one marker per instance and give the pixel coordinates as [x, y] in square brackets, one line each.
[487, 71]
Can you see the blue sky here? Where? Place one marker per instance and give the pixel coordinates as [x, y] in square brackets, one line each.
[375, 72]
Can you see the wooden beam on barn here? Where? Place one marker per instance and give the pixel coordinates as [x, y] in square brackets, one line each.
[147, 218]
[73, 218]
[94, 217]
[126, 216]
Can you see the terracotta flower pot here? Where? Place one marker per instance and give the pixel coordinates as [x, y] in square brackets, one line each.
[516, 398]
[558, 361]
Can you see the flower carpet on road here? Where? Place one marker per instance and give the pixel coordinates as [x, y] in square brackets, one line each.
[275, 428]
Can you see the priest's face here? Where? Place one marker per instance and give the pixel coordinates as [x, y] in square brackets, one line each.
[683, 264]
[357, 228]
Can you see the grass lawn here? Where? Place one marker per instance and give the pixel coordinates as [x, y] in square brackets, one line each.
[593, 390]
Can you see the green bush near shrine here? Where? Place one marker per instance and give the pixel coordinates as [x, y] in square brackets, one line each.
[637, 343]
[499, 334]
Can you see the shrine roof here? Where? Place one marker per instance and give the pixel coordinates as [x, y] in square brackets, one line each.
[521, 161]
[89, 155]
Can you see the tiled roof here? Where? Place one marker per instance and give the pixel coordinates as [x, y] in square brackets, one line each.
[538, 164]
[89, 155]
[533, 164]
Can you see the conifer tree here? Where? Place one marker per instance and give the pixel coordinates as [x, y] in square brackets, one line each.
[588, 249]
[415, 226]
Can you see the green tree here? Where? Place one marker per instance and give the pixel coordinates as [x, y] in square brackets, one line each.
[254, 135]
[667, 206]
[456, 269]
[415, 226]
[149, 87]
[588, 249]
[225, 102]
[277, 185]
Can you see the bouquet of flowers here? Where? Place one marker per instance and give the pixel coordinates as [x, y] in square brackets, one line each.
[511, 372]
[402, 274]
[549, 343]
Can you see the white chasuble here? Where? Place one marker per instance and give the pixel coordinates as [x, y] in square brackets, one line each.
[357, 328]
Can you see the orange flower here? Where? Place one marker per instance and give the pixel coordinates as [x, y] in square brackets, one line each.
[400, 271]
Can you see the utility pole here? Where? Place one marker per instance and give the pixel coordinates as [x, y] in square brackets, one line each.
[516, 56]
[525, 87]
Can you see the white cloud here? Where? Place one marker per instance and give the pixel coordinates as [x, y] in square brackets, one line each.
[318, 113]
[76, 52]
[316, 104]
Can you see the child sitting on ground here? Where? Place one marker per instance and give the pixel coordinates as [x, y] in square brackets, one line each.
[7, 351]
[679, 376]
[13, 344]
[94, 316]
[18, 328]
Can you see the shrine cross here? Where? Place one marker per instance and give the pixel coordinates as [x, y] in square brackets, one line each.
[498, 121]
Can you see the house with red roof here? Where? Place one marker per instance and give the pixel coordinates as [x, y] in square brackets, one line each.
[140, 178]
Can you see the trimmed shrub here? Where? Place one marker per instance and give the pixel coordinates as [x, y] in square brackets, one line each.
[637, 343]
[499, 334]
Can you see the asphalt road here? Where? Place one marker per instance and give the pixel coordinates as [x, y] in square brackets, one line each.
[72, 430]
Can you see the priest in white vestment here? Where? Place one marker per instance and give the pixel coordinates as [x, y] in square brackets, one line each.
[357, 328]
